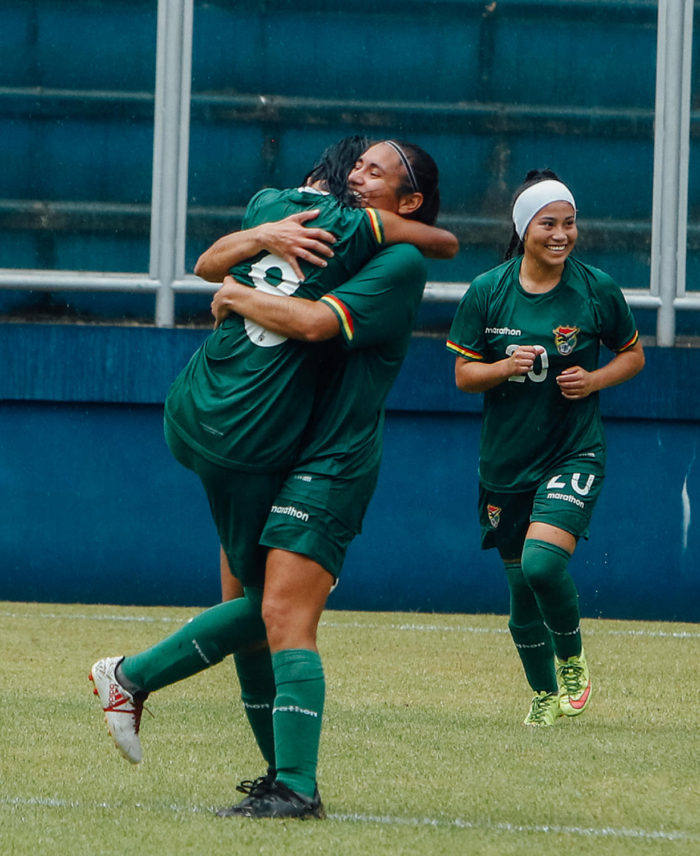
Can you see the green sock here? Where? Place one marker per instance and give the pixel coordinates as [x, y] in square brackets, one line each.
[532, 640]
[545, 569]
[258, 691]
[202, 642]
[534, 645]
[297, 717]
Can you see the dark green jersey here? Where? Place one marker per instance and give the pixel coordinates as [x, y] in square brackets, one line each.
[377, 310]
[528, 426]
[245, 396]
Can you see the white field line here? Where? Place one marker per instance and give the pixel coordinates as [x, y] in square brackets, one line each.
[358, 625]
[385, 820]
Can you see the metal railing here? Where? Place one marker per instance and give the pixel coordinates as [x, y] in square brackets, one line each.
[166, 275]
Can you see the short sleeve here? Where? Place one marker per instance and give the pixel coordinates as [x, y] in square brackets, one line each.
[618, 330]
[382, 299]
[466, 337]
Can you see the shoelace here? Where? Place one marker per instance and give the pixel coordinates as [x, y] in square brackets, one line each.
[539, 707]
[571, 676]
[254, 787]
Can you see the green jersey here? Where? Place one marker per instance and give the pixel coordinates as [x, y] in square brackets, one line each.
[377, 311]
[528, 426]
[245, 396]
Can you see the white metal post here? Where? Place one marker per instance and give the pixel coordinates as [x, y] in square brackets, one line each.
[170, 152]
[671, 154]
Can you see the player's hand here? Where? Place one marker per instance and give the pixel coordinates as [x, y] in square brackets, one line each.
[575, 383]
[221, 302]
[292, 241]
[523, 359]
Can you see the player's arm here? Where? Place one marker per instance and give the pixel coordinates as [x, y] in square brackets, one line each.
[576, 382]
[295, 318]
[433, 242]
[477, 376]
[289, 239]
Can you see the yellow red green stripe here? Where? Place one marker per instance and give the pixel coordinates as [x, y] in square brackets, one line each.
[632, 341]
[376, 222]
[463, 352]
[343, 314]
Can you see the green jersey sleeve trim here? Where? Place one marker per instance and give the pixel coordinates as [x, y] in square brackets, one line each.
[376, 223]
[463, 352]
[343, 314]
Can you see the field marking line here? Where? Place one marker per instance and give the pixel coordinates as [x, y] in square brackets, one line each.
[386, 820]
[357, 625]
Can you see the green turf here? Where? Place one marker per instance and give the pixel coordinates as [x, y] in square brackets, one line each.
[423, 749]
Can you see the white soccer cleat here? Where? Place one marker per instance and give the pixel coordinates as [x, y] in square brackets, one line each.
[122, 710]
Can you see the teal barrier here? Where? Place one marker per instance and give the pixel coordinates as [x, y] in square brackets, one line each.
[94, 509]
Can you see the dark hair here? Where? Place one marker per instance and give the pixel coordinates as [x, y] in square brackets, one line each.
[515, 248]
[426, 174]
[334, 165]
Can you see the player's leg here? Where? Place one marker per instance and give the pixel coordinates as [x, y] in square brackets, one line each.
[296, 589]
[562, 510]
[313, 521]
[529, 633]
[533, 643]
[231, 586]
[123, 683]
[239, 502]
[504, 520]
[255, 675]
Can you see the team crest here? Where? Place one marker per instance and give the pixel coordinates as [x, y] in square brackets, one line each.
[565, 339]
[494, 513]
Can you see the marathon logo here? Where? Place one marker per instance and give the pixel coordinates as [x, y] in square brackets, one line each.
[292, 708]
[566, 497]
[503, 331]
[290, 511]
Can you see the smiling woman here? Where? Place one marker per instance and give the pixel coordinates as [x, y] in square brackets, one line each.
[528, 335]
[398, 177]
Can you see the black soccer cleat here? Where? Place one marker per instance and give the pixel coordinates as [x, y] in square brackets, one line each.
[275, 799]
[252, 788]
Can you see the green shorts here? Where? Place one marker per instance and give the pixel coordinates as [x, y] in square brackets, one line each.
[318, 516]
[240, 503]
[565, 498]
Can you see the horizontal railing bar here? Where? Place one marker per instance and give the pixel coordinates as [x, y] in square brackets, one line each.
[76, 281]
[435, 292]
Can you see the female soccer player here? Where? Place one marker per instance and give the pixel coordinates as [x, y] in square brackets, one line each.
[235, 416]
[527, 334]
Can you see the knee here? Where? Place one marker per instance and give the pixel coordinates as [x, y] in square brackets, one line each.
[543, 564]
[275, 614]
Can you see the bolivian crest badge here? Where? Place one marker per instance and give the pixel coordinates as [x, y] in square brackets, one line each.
[565, 339]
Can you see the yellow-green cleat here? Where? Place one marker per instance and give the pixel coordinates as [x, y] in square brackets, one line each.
[544, 709]
[574, 682]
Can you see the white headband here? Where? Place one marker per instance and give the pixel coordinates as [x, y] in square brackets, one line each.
[534, 199]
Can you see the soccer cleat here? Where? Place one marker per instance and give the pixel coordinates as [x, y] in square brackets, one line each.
[253, 788]
[275, 799]
[574, 684]
[122, 709]
[544, 709]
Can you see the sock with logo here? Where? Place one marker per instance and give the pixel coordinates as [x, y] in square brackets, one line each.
[533, 641]
[203, 641]
[254, 668]
[297, 717]
[545, 569]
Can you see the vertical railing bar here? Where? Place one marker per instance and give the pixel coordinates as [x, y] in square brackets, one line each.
[671, 154]
[170, 152]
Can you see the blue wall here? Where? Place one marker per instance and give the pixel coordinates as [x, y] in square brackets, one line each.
[94, 509]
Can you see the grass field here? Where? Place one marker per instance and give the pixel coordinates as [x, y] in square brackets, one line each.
[423, 749]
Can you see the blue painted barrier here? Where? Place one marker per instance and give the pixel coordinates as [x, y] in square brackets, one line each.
[94, 509]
